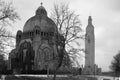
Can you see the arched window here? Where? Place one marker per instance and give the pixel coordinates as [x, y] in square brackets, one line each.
[32, 33]
[27, 34]
[41, 33]
[19, 36]
[44, 33]
[47, 34]
[36, 31]
[51, 34]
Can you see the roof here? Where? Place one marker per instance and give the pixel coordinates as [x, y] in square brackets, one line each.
[41, 20]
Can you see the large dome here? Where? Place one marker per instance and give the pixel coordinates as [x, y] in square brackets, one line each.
[41, 20]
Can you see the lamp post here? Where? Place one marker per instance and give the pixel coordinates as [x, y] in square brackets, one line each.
[94, 71]
[48, 70]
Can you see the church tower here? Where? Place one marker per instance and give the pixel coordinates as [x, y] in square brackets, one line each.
[89, 47]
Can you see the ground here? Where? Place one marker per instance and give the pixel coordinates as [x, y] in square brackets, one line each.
[59, 77]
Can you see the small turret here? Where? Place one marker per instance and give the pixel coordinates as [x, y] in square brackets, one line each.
[18, 37]
[89, 48]
[90, 20]
[90, 27]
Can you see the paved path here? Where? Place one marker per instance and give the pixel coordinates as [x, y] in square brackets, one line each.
[40, 77]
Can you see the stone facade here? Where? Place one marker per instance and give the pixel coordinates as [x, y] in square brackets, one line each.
[90, 66]
[36, 44]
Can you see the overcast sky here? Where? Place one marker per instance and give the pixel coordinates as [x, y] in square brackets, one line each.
[106, 20]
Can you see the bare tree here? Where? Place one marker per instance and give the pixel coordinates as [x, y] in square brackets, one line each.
[115, 65]
[8, 15]
[69, 27]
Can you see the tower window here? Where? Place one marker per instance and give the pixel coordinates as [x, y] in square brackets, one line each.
[88, 40]
[88, 66]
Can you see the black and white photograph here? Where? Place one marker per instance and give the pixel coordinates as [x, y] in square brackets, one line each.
[59, 39]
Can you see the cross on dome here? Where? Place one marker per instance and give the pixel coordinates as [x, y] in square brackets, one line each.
[41, 10]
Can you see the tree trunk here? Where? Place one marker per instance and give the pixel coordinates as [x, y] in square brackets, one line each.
[54, 78]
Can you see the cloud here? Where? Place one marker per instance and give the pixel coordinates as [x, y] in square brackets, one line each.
[113, 5]
[107, 38]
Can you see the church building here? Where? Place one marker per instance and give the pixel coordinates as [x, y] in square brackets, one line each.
[36, 44]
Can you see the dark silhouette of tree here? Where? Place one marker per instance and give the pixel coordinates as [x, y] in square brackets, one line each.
[2, 64]
[69, 28]
[115, 65]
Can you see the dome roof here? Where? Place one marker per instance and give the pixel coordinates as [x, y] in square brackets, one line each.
[41, 20]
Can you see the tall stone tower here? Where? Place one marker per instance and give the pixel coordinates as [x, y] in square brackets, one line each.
[89, 48]
[89, 44]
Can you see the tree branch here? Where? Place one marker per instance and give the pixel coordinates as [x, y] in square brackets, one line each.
[4, 17]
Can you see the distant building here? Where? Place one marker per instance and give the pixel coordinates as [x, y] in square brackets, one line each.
[90, 66]
[36, 44]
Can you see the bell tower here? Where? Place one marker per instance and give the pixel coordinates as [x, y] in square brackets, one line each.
[89, 47]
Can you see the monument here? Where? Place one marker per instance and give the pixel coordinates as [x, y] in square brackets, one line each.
[90, 66]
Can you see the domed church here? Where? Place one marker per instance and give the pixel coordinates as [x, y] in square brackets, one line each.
[36, 44]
